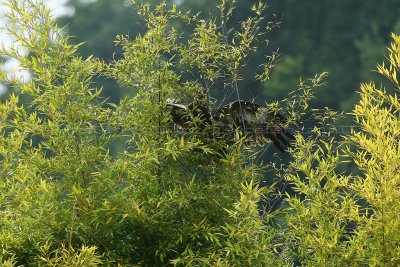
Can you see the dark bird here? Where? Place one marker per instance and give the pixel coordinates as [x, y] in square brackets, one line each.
[257, 123]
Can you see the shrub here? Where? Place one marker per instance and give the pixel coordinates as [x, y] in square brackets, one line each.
[84, 182]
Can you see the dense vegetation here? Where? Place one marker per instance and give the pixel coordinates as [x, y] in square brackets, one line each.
[69, 197]
[344, 38]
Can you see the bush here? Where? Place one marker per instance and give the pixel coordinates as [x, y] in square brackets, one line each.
[165, 197]
[84, 182]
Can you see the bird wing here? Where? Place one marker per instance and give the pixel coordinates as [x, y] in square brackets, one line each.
[250, 118]
[237, 112]
[255, 121]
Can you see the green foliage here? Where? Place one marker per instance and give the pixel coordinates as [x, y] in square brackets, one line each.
[377, 157]
[320, 213]
[69, 257]
[182, 198]
[95, 24]
[349, 220]
[311, 39]
[65, 199]
[250, 238]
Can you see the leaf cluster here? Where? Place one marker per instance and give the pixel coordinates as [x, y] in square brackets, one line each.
[171, 197]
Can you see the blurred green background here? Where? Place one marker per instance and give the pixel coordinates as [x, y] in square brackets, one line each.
[345, 38]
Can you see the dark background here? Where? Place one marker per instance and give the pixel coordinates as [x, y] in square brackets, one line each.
[344, 38]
